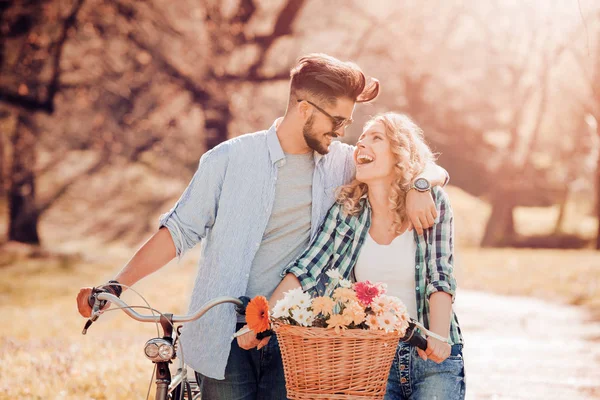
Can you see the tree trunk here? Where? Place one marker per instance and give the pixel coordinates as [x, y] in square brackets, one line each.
[217, 116]
[24, 216]
[500, 228]
[562, 211]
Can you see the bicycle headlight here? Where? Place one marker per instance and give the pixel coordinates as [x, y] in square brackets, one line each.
[159, 349]
[165, 351]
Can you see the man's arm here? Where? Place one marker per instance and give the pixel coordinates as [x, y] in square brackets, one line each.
[181, 228]
[420, 206]
[151, 257]
[435, 174]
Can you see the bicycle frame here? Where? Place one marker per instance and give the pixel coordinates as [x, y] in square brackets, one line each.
[165, 383]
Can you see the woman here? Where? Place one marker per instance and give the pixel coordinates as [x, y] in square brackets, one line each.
[365, 237]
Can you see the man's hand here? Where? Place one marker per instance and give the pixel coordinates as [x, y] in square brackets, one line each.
[249, 341]
[82, 302]
[421, 210]
[437, 350]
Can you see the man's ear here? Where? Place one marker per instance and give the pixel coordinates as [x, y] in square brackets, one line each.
[303, 109]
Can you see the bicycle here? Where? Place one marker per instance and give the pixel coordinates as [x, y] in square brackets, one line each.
[163, 350]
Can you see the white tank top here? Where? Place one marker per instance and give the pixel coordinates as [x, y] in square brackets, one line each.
[393, 264]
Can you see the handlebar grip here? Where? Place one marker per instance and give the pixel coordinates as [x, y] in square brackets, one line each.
[241, 310]
[419, 341]
[92, 298]
[414, 338]
[262, 335]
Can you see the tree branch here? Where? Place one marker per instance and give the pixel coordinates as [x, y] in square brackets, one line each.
[200, 94]
[282, 27]
[33, 104]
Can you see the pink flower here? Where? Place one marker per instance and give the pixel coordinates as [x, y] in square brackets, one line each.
[367, 291]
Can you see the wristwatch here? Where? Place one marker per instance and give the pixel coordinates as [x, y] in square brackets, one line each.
[421, 185]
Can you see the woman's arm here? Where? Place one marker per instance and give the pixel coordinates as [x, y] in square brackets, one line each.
[440, 264]
[441, 286]
[440, 306]
[288, 283]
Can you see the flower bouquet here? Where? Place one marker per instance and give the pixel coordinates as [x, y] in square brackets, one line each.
[337, 346]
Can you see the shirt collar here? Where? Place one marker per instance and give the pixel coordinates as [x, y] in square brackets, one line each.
[318, 157]
[275, 150]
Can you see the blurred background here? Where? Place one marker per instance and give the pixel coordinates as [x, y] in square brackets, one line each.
[107, 105]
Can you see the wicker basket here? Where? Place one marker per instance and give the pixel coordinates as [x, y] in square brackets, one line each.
[321, 364]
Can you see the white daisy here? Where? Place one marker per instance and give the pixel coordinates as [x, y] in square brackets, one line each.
[387, 321]
[334, 274]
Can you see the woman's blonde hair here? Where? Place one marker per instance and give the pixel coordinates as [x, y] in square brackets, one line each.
[411, 154]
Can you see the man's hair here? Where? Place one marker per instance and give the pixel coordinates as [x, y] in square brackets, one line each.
[328, 79]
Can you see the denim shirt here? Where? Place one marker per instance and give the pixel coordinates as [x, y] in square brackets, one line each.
[226, 207]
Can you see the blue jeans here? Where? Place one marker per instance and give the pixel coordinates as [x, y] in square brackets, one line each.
[411, 378]
[249, 375]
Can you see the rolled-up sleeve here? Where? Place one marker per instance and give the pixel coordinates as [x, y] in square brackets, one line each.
[309, 266]
[440, 268]
[196, 210]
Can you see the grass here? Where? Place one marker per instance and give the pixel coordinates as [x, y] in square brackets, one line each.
[565, 276]
[44, 355]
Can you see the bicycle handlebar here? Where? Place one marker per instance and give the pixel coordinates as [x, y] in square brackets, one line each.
[99, 298]
[176, 318]
[412, 337]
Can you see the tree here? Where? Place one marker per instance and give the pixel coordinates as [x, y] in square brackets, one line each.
[116, 102]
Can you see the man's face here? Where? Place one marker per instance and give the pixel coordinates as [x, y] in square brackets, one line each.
[318, 128]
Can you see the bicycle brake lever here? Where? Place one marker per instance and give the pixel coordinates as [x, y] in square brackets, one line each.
[96, 306]
[88, 323]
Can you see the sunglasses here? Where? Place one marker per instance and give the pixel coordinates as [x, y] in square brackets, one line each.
[338, 122]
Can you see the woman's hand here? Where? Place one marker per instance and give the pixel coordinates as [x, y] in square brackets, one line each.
[249, 341]
[421, 210]
[437, 350]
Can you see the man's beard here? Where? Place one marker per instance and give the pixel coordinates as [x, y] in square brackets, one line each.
[314, 140]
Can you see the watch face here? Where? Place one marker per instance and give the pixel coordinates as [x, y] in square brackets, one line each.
[422, 184]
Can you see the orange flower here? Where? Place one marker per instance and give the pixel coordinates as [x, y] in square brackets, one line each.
[336, 322]
[257, 314]
[344, 295]
[322, 305]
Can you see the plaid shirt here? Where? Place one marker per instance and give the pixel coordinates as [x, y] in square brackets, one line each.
[340, 238]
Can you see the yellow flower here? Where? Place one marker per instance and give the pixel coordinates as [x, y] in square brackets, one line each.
[337, 322]
[322, 305]
[354, 313]
[344, 295]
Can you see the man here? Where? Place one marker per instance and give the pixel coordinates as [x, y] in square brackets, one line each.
[254, 203]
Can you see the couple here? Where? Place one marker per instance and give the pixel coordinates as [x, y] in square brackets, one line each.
[257, 201]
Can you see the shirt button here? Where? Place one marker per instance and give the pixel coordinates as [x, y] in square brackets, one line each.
[417, 288]
[402, 380]
[402, 367]
[418, 266]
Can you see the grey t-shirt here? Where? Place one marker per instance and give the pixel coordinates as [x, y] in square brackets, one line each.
[288, 231]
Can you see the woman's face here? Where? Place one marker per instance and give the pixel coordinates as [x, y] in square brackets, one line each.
[373, 155]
